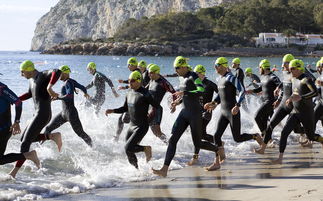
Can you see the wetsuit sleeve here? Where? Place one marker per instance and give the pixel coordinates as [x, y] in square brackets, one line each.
[13, 99]
[235, 81]
[55, 74]
[214, 87]
[69, 91]
[125, 82]
[171, 75]
[277, 81]
[92, 82]
[122, 109]
[106, 79]
[311, 86]
[79, 86]
[257, 90]
[25, 96]
[152, 101]
[169, 87]
[217, 99]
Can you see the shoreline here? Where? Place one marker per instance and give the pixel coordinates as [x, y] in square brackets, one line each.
[244, 178]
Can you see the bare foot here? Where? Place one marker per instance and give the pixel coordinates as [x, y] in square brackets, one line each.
[308, 144]
[162, 172]
[278, 161]
[193, 161]
[57, 138]
[259, 139]
[259, 151]
[221, 153]
[271, 144]
[32, 155]
[213, 167]
[148, 153]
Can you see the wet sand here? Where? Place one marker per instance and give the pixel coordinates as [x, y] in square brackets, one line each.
[245, 178]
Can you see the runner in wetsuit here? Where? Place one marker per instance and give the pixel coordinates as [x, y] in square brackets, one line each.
[157, 87]
[268, 85]
[210, 87]
[228, 85]
[69, 113]
[238, 71]
[191, 114]
[137, 103]
[124, 118]
[318, 110]
[7, 98]
[254, 79]
[98, 82]
[40, 89]
[283, 109]
[142, 65]
[304, 90]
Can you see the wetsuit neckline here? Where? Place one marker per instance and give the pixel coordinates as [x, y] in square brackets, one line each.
[303, 75]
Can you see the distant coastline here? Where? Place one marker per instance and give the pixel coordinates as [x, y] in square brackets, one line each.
[191, 48]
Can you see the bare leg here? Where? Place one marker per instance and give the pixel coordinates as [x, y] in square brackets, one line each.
[221, 153]
[279, 160]
[14, 172]
[162, 172]
[259, 139]
[148, 153]
[157, 131]
[32, 155]
[57, 138]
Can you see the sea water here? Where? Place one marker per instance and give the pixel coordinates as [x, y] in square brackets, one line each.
[79, 168]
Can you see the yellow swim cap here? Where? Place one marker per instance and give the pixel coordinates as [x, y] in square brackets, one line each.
[132, 61]
[236, 61]
[65, 69]
[135, 75]
[154, 69]
[200, 69]
[221, 61]
[264, 64]
[248, 70]
[180, 62]
[91, 65]
[27, 66]
[142, 64]
[298, 64]
[288, 58]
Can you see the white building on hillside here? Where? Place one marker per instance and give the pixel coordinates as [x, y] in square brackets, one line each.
[278, 39]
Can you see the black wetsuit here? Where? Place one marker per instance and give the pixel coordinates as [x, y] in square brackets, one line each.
[240, 75]
[69, 113]
[158, 88]
[318, 110]
[228, 86]
[283, 109]
[210, 87]
[268, 85]
[254, 78]
[124, 118]
[98, 82]
[190, 115]
[7, 97]
[303, 111]
[137, 103]
[42, 102]
[145, 78]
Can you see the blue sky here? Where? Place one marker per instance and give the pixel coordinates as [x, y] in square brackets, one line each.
[18, 20]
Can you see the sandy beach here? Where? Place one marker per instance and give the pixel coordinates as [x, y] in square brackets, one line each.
[244, 178]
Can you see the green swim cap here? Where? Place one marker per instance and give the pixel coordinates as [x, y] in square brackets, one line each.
[221, 61]
[180, 62]
[318, 63]
[132, 61]
[154, 69]
[189, 68]
[27, 66]
[91, 65]
[298, 64]
[236, 61]
[200, 69]
[248, 70]
[65, 69]
[142, 64]
[288, 58]
[264, 64]
[149, 65]
[135, 75]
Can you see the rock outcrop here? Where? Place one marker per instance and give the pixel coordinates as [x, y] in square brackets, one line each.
[94, 19]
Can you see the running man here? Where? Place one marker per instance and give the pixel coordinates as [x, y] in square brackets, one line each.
[191, 114]
[238, 71]
[253, 78]
[40, 89]
[69, 112]
[157, 87]
[268, 85]
[8, 98]
[137, 104]
[98, 81]
[142, 65]
[304, 90]
[228, 86]
[210, 87]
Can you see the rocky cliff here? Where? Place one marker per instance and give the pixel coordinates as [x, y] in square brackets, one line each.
[74, 19]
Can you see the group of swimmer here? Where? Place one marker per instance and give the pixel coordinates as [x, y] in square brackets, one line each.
[146, 88]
